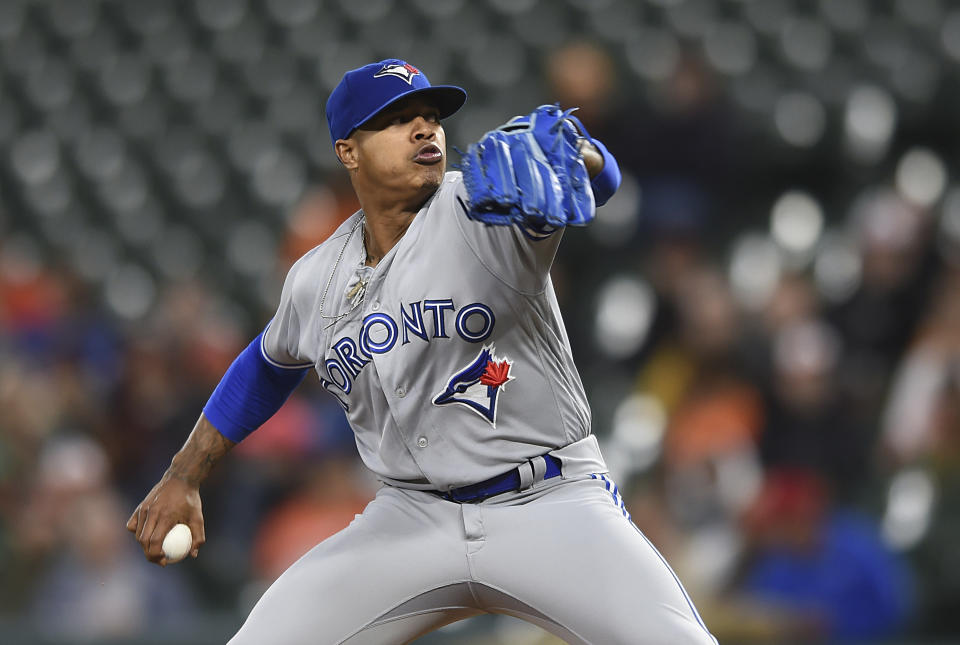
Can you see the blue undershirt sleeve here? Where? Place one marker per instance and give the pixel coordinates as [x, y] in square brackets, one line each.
[250, 392]
[608, 181]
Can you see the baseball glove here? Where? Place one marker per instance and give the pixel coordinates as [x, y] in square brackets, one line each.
[529, 171]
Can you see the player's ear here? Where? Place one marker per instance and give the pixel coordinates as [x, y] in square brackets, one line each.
[347, 152]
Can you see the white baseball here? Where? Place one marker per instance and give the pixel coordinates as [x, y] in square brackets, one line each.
[177, 543]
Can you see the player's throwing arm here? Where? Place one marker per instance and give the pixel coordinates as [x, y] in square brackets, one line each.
[176, 497]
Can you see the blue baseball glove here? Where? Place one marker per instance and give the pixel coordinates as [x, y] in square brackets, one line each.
[529, 171]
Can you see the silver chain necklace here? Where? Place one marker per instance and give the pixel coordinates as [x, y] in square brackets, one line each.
[357, 294]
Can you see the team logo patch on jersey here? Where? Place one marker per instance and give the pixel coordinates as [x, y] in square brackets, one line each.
[405, 72]
[477, 386]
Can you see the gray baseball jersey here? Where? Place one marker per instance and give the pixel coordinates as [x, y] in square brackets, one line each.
[454, 300]
[451, 362]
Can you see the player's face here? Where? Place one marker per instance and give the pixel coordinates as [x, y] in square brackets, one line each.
[403, 148]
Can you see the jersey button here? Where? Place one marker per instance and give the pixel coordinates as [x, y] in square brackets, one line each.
[422, 442]
[375, 305]
[401, 391]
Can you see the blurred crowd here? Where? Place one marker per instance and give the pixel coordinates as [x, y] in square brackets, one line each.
[783, 406]
[766, 316]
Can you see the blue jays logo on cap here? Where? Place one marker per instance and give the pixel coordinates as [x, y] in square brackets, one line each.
[478, 385]
[364, 92]
[405, 71]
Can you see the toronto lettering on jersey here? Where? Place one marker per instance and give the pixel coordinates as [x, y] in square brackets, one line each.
[380, 332]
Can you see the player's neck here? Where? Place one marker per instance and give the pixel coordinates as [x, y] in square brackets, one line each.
[382, 231]
[386, 223]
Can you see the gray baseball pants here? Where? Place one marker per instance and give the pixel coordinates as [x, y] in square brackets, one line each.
[562, 555]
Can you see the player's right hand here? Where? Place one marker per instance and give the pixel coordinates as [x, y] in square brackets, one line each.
[170, 502]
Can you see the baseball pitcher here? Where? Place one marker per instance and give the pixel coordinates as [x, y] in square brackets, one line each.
[430, 317]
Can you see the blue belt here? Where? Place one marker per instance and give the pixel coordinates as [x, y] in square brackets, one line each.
[504, 483]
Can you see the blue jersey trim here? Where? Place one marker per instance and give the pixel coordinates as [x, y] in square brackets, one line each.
[266, 357]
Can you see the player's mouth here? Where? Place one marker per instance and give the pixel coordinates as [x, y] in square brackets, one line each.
[429, 154]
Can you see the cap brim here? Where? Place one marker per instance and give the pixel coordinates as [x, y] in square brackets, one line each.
[447, 98]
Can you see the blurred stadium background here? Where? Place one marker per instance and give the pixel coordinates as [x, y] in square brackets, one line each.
[766, 316]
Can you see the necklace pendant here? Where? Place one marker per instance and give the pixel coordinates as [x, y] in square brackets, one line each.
[357, 292]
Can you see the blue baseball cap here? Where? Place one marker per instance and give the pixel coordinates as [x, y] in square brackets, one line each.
[365, 91]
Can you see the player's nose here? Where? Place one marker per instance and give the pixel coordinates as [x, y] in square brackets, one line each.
[424, 129]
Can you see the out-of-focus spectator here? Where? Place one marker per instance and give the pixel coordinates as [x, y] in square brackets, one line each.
[318, 214]
[878, 321]
[99, 586]
[68, 469]
[920, 452]
[701, 341]
[809, 423]
[90, 582]
[714, 414]
[32, 298]
[913, 427]
[792, 300]
[327, 500]
[583, 75]
[816, 572]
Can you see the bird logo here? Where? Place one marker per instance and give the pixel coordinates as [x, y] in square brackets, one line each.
[478, 385]
[404, 71]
